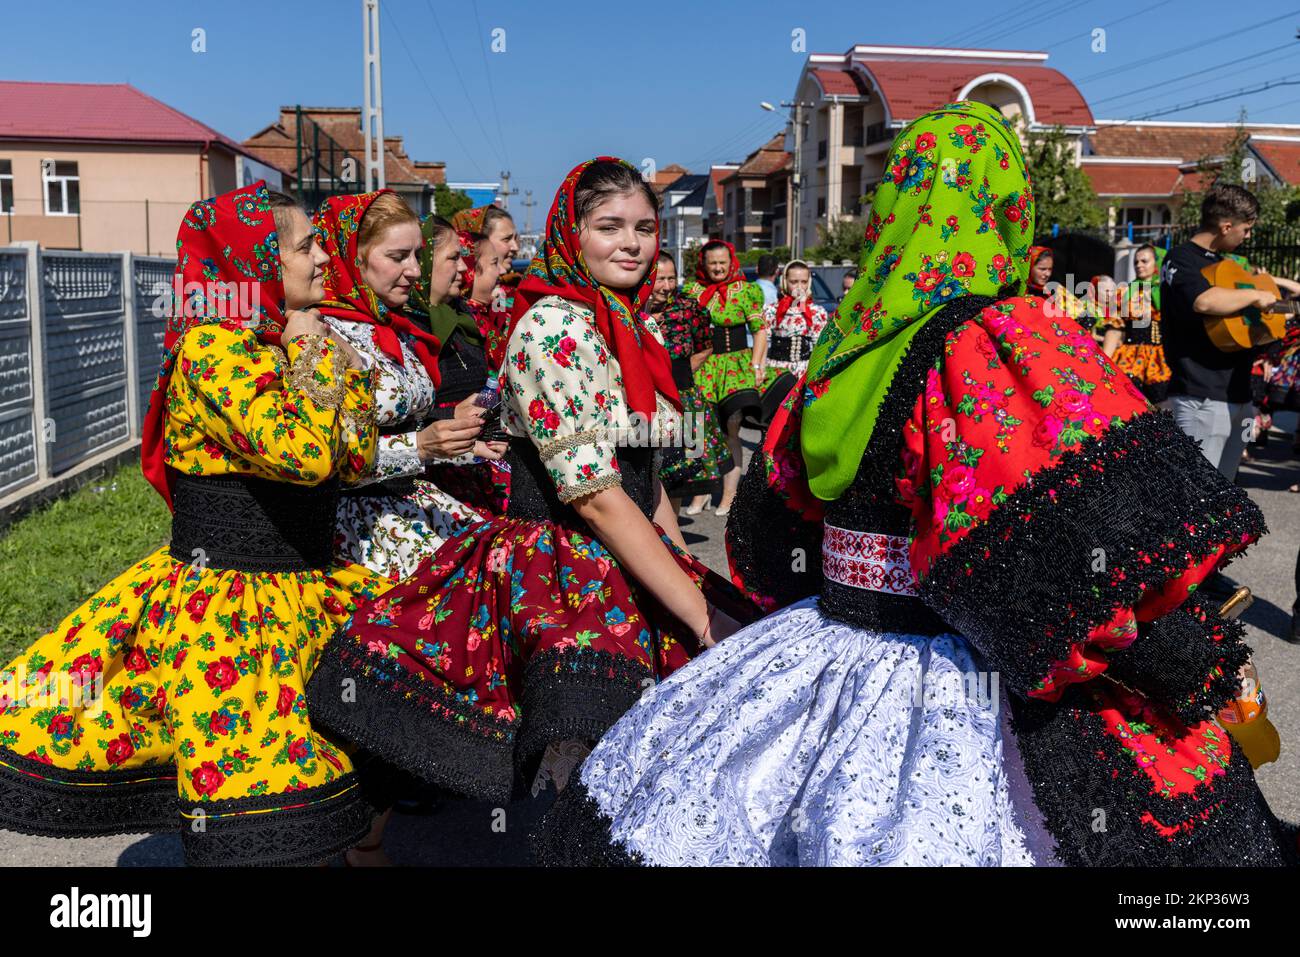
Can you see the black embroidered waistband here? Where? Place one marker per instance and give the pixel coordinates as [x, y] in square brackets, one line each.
[729, 339]
[252, 524]
[790, 348]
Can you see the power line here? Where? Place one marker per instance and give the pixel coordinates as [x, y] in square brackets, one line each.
[1193, 46]
[966, 32]
[747, 131]
[1106, 26]
[1211, 69]
[1292, 80]
[491, 90]
[469, 100]
[432, 97]
[1051, 14]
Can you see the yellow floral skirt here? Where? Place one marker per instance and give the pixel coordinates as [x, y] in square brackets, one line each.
[175, 698]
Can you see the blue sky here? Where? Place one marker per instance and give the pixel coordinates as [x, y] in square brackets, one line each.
[662, 79]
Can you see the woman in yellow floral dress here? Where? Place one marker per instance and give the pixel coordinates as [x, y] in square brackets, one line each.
[174, 698]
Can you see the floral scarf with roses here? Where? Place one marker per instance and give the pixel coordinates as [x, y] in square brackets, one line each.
[223, 242]
[953, 217]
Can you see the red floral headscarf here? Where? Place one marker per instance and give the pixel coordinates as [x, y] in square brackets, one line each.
[558, 269]
[469, 253]
[228, 272]
[786, 302]
[717, 288]
[338, 223]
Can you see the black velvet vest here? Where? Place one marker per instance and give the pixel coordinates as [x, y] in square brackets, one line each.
[533, 495]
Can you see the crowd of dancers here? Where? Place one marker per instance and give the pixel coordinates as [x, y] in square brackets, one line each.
[425, 532]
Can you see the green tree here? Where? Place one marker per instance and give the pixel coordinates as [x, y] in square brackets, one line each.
[1063, 194]
[1278, 205]
[448, 202]
[842, 240]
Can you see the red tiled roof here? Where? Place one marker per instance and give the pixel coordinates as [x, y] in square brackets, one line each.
[839, 82]
[1134, 179]
[911, 87]
[276, 144]
[1189, 143]
[1283, 157]
[766, 160]
[113, 112]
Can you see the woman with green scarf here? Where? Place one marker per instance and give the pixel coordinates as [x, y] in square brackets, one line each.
[1141, 356]
[966, 462]
[463, 365]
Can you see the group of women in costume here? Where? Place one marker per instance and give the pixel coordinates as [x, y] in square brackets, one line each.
[362, 578]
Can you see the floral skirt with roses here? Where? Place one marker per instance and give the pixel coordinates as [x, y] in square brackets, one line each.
[518, 634]
[175, 698]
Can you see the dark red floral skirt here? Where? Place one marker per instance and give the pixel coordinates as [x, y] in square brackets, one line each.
[514, 635]
[484, 486]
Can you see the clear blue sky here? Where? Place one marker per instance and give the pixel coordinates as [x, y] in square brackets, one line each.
[670, 80]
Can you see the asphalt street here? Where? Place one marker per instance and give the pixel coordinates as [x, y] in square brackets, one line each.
[461, 832]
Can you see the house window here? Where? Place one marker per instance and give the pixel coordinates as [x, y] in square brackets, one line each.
[6, 186]
[821, 206]
[62, 188]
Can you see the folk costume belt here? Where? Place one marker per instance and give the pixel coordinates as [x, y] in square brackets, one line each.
[791, 348]
[729, 339]
[867, 560]
[253, 525]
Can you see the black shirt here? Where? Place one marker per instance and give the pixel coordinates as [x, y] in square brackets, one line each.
[1199, 368]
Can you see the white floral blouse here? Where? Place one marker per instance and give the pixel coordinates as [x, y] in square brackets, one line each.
[794, 323]
[564, 390]
[404, 395]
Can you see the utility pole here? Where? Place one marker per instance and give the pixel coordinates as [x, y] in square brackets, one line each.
[796, 179]
[372, 118]
[506, 192]
[528, 203]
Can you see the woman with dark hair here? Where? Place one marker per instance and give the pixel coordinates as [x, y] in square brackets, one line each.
[464, 369]
[174, 699]
[697, 467]
[1141, 354]
[536, 630]
[732, 377]
[978, 480]
[391, 518]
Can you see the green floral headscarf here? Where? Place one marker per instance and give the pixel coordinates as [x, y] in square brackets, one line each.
[954, 216]
[443, 319]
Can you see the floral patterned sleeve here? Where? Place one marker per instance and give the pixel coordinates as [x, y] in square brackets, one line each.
[236, 406]
[769, 318]
[753, 303]
[1028, 464]
[559, 386]
[701, 325]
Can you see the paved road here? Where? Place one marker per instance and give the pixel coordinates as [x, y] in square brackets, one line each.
[462, 832]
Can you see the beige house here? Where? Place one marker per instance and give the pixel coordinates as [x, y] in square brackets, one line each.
[104, 167]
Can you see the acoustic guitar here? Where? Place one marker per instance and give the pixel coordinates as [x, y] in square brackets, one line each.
[1250, 328]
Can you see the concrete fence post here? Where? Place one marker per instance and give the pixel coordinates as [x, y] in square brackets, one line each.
[41, 421]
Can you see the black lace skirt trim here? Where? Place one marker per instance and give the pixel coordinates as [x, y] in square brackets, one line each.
[428, 732]
[1056, 559]
[84, 803]
[575, 833]
[283, 829]
[1094, 798]
[295, 829]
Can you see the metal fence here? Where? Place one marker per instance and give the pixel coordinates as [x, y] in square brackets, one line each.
[80, 343]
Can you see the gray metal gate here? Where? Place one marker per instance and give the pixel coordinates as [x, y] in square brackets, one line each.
[84, 332]
[152, 279]
[18, 427]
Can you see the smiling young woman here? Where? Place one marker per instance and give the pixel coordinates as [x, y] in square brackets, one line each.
[536, 630]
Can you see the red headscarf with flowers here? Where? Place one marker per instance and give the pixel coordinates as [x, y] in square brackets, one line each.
[224, 243]
[559, 269]
[347, 296]
[787, 302]
[1036, 253]
[718, 289]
